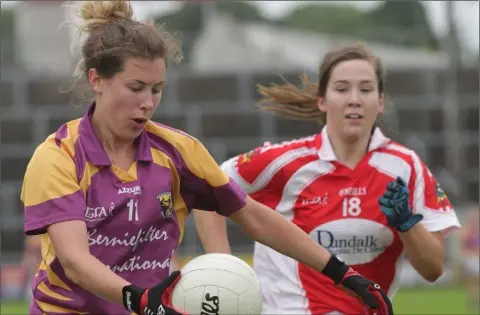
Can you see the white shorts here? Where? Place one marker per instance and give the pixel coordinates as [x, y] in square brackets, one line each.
[472, 266]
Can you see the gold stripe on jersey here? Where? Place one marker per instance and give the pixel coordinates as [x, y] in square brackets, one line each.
[42, 287]
[49, 308]
[126, 176]
[62, 172]
[160, 158]
[87, 175]
[194, 154]
[48, 254]
[67, 144]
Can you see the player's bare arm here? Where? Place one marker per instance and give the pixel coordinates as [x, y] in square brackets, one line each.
[270, 228]
[70, 240]
[425, 251]
[423, 248]
[212, 231]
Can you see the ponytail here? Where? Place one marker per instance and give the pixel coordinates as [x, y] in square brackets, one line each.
[289, 101]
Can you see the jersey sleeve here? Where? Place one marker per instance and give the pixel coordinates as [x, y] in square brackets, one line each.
[205, 186]
[50, 191]
[430, 200]
[254, 170]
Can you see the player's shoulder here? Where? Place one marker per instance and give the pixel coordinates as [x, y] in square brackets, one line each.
[58, 149]
[402, 152]
[270, 158]
[163, 136]
[297, 146]
[60, 142]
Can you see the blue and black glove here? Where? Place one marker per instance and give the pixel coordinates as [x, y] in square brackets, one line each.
[394, 204]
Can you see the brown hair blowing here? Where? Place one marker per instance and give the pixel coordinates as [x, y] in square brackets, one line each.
[294, 102]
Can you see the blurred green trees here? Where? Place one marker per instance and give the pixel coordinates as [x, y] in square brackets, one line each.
[391, 22]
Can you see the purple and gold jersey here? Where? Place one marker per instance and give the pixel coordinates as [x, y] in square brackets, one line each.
[135, 218]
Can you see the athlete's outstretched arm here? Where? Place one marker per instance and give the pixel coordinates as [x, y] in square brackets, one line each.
[212, 231]
[70, 240]
[270, 228]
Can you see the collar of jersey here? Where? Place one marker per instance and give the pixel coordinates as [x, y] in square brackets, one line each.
[94, 150]
[326, 153]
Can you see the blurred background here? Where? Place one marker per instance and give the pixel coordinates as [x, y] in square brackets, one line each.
[430, 50]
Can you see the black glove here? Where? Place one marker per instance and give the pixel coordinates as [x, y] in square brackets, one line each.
[154, 301]
[366, 291]
[394, 204]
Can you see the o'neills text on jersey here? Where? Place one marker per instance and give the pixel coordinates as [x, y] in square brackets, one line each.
[353, 191]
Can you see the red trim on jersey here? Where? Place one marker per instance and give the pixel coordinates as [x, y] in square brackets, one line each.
[253, 164]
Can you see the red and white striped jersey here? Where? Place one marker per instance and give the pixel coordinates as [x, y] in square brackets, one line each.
[338, 207]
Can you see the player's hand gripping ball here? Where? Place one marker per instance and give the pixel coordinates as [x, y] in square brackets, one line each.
[153, 301]
[395, 205]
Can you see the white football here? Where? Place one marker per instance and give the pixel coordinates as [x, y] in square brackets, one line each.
[218, 284]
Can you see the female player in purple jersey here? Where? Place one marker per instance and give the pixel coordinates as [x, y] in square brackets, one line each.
[109, 192]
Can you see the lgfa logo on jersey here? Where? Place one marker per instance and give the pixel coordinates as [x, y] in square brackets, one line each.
[166, 204]
[98, 213]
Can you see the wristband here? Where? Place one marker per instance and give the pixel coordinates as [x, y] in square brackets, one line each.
[131, 298]
[335, 269]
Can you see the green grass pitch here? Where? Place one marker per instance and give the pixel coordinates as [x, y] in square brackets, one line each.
[436, 301]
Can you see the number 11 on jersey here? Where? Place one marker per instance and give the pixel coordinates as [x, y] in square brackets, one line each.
[132, 210]
[351, 207]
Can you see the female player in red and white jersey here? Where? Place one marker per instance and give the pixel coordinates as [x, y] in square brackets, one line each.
[356, 192]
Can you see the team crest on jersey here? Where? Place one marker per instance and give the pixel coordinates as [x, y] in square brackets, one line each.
[166, 204]
[441, 196]
[443, 204]
[247, 157]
